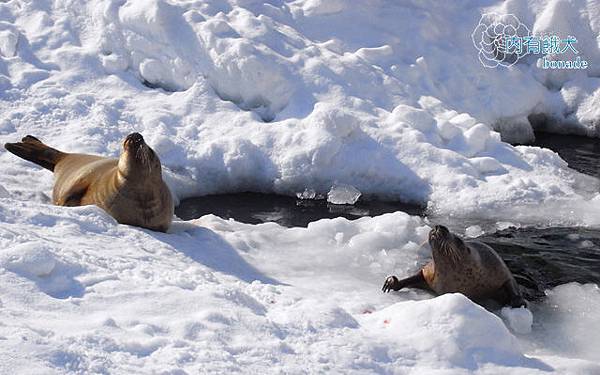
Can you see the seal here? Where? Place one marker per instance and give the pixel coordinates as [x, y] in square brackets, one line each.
[468, 267]
[130, 188]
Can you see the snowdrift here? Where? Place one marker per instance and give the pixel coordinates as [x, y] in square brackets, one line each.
[286, 96]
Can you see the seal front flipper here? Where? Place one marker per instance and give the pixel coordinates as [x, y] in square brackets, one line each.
[391, 283]
[32, 149]
[415, 281]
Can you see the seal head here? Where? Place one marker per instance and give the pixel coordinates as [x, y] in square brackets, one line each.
[138, 160]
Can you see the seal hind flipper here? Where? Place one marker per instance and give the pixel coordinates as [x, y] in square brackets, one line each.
[32, 149]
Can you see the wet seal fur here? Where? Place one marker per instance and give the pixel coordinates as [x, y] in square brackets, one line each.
[130, 188]
[468, 267]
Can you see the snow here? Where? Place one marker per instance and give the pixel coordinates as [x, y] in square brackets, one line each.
[216, 295]
[3, 192]
[287, 97]
[564, 316]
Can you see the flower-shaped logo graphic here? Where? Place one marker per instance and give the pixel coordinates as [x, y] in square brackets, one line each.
[499, 38]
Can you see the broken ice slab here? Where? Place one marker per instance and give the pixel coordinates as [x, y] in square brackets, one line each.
[343, 194]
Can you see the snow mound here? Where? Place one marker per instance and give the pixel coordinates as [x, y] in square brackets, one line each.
[153, 39]
[417, 325]
[30, 258]
[37, 262]
[171, 48]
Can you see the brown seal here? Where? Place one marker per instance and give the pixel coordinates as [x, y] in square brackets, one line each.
[130, 189]
[468, 267]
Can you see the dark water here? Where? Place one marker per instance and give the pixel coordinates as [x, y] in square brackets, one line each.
[256, 208]
[539, 258]
[581, 153]
[544, 258]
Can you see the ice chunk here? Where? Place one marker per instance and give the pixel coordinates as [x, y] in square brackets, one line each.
[519, 320]
[501, 225]
[343, 194]
[474, 231]
[307, 194]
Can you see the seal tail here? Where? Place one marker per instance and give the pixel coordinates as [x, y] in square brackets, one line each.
[32, 149]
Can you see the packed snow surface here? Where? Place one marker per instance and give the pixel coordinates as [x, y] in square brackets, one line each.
[290, 97]
[82, 294]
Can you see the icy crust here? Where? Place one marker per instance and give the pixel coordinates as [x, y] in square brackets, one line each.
[80, 293]
[235, 96]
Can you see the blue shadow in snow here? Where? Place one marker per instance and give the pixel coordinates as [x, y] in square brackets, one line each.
[208, 248]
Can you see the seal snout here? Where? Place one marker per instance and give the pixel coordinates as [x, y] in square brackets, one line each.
[438, 232]
[133, 140]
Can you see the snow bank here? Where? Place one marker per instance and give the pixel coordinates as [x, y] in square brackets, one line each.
[235, 96]
[216, 295]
